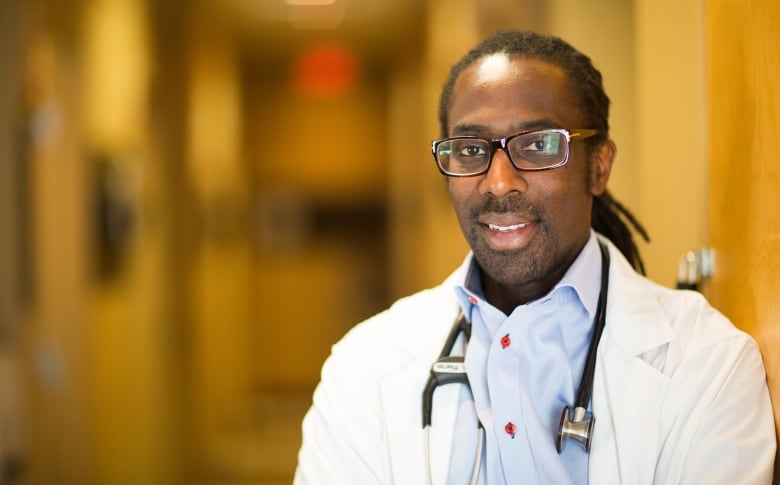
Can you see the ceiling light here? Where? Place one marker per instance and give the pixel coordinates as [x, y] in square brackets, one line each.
[316, 16]
[310, 3]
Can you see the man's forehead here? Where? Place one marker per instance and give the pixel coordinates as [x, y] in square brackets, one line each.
[493, 67]
[503, 73]
[501, 92]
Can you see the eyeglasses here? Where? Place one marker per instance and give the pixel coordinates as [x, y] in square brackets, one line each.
[466, 156]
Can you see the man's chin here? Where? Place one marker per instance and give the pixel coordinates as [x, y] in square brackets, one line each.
[511, 267]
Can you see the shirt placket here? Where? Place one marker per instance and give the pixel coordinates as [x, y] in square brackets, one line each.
[503, 378]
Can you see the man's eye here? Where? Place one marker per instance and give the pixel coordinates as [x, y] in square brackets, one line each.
[472, 151]
[542, 145]
[539, 145]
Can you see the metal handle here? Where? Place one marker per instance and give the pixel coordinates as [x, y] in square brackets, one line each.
[695, 267]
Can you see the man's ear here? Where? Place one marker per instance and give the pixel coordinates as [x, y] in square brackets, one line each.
[601, 160]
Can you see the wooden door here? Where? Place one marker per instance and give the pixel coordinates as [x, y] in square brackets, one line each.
[743, 74]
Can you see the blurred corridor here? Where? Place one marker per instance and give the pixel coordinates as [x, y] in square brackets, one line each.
[199, 198]
[205, 197]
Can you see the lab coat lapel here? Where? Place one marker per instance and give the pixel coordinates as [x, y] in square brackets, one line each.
[404, 426]
[401, 392]
[628, 390]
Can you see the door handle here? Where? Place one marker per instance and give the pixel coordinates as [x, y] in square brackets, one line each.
[695, 268]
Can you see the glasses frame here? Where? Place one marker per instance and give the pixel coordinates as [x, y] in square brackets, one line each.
[501, 143]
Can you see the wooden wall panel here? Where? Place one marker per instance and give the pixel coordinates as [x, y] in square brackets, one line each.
[743, 70]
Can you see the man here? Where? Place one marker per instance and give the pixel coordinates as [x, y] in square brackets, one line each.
[677, 394]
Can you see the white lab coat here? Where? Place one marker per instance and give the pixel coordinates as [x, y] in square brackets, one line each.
[680, 395]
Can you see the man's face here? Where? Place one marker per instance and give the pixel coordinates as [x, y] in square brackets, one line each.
[525, 228]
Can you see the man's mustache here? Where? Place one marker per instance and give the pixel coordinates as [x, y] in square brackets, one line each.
[511, 203]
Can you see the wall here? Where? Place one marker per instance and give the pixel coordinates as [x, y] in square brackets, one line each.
[12, 403]
[54, 323]
[743, 75]
[134, 434]
[671, 131]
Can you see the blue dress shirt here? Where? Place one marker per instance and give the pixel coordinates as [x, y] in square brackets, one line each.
[523, 369]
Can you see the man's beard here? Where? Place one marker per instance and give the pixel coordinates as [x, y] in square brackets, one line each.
[518, 266]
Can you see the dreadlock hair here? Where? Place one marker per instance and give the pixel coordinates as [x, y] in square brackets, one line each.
[608, 216]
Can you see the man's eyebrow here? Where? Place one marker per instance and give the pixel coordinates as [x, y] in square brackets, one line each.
[543, 124]
[470, 129]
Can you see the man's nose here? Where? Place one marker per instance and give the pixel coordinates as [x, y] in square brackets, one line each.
[502, 176]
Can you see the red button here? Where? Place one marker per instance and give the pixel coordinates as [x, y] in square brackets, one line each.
[472, 300]
[510, 429]
[505, 341]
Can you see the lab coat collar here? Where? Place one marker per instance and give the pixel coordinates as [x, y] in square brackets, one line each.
[635, 322]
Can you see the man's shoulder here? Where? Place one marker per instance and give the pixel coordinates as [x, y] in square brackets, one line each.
[684, 319]
[690, 312]
[683, 309]
[699, 332]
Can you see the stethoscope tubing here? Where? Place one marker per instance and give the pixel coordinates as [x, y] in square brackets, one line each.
[586, 384]
[477, 457]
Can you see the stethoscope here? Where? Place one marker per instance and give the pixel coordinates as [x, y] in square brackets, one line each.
[576, 424]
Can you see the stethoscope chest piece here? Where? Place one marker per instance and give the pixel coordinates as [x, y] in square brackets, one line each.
[577, 427]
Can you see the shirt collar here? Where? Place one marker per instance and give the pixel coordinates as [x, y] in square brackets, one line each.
[583, 276]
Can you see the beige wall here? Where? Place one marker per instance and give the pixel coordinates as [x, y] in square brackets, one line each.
[54, 319]
[9, 171]
[671, 143]
[14, 442]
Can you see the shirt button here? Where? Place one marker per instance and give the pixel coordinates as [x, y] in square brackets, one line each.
[505, 341]
[510, 429]
[472, 300]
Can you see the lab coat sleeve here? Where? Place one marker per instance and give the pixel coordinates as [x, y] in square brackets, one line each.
[734, 437]
[342, 431]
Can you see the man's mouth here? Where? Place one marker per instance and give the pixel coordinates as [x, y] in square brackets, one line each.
[507, 235]
[512, 227]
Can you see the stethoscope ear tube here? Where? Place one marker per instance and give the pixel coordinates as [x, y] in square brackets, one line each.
[586, 385]
[439, 373]
[428, 401]
[448, 369]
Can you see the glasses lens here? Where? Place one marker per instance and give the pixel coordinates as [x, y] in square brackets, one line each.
[463, 156]
[539, 149]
